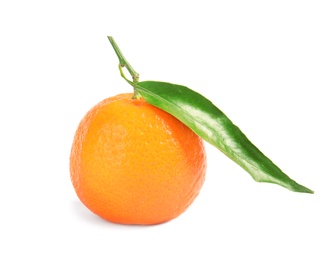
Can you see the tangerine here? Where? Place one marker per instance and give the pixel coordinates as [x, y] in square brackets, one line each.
[133, 163]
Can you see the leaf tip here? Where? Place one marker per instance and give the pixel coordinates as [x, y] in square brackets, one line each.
[300, 188]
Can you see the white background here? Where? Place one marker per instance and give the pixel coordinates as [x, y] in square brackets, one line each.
[264, 63]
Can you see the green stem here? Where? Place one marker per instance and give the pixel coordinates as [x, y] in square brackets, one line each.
[123, 61]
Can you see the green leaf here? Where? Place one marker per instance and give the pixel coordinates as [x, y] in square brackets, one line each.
[212, 125]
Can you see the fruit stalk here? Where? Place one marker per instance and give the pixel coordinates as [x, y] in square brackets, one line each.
[123, 61]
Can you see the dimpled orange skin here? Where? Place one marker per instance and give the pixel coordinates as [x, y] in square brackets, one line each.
[132, 163]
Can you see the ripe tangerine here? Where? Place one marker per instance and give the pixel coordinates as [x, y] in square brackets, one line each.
[133, 163]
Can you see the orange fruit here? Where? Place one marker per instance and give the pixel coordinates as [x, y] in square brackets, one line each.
[133, 163]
